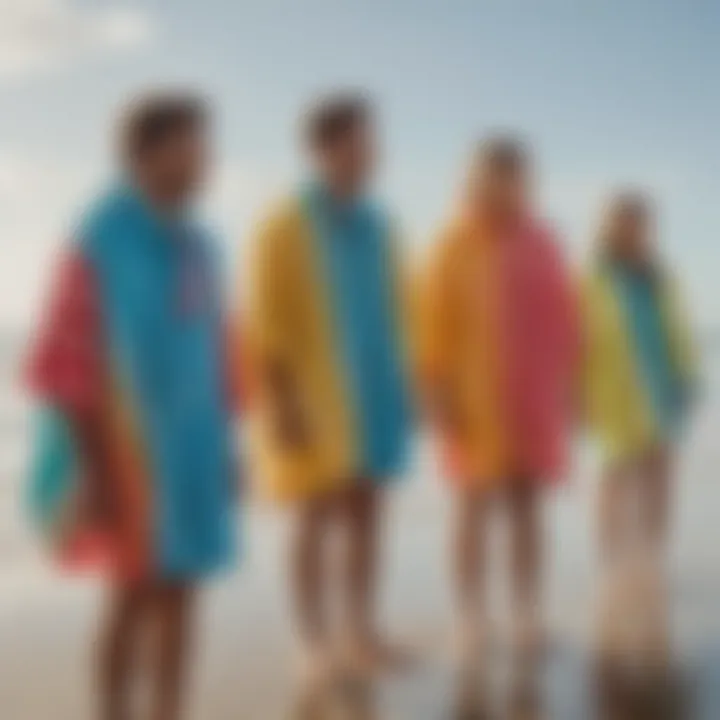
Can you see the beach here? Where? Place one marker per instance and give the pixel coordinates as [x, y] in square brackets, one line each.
[308, 209]
[243, 665]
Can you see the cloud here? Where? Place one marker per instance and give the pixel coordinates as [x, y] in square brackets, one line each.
[40, 35]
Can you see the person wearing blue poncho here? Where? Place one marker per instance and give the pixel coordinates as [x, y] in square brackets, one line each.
[134, 470]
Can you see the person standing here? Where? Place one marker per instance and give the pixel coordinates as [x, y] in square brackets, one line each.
[498, 347]
[640, 375]
[134, 469]
[329, 390]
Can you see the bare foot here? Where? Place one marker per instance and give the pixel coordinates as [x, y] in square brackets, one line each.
[529, 638]
[308, 706]
[473, 697]
[317, 671]
[366, 656]
[471, 641]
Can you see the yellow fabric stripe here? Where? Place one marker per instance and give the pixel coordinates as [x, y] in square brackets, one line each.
[617, 406]
[289, 323]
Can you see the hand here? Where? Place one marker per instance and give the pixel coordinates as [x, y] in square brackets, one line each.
[93, 498]
[288, 416]
[291, 428]
[443, 412]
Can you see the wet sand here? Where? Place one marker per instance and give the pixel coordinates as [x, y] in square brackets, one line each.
[244, 648]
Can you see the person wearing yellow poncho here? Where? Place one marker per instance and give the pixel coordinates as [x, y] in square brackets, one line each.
[328, 396]
[639, 378]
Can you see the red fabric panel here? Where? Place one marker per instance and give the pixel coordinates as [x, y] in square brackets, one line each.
[65, 365]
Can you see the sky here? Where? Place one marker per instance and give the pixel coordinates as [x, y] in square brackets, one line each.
[609, 93]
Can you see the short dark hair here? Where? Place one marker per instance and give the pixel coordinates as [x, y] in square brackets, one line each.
[334, 116]
[632, 201]
[504, 152]
[151, 119]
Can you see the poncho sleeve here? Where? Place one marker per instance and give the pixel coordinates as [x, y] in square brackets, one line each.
[65, 366]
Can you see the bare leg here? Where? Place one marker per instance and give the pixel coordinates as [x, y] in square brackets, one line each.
[611, 510]
[468, 563]
[363, 518]
[527, 549]
[307, 580]
[613, 507]
[173, 608]
[307, 570]
[655, 499]
[118, 647]
[363, 514]
[658, 499]
[526, 696]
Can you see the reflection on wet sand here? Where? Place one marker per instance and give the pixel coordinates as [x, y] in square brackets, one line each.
[350, 701]
[619, 692]
[637, 675]
[525, 700]
[480, 697]
[472, 694]
[643, 693]
[634, 673]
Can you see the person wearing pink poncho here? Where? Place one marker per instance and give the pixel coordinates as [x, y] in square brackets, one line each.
[498, 346]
